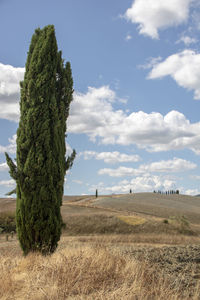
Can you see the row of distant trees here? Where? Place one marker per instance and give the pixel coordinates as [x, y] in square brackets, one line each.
[170, 192]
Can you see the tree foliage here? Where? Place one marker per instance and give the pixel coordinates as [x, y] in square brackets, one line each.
[46, 94]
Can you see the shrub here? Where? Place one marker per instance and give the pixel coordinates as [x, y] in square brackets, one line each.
[7, 222]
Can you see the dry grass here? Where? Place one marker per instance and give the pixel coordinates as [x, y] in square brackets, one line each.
[84, 271]
[95, 258]
[132, 220]
[153, 205]
[80, 224]
[137, 239]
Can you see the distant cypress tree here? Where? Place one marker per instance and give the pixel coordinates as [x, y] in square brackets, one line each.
[46, 94]
[96, 193]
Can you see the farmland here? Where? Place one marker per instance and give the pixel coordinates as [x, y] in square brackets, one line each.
[134, 246]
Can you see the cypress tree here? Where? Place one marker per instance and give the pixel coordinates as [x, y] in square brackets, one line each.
[41, 164]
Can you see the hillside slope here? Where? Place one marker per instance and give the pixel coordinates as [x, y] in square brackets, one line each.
[153, 204]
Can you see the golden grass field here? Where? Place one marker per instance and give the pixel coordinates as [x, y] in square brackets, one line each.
[110, 250]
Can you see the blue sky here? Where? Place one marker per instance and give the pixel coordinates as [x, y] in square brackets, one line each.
[135, 117]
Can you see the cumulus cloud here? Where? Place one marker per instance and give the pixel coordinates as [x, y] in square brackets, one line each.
[93, 114]
[11, 147]
[3, 167]
[173, 165]
[164, 166]
[183, 67]
[152, 15]
[145, 183]
[110, 157]
[9, 91]
[119, 172]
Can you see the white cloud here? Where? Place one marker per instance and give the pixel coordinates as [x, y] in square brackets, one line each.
[192, 192]
[183, 67]
[93, 114]
[9, 91]
[3, 167]
[145, 183]
[151, 62]
[9, 80]
[120, 172]
[9, 111]
[11, 147]
[174, 165]
[8, 183]
[152, 15]
[99, 186]
[68, 149]
[110, 157]
[164, 166]
[187, 40]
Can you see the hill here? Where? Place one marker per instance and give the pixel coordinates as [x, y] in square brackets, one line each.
[142, 213]
[148, 204]
[153, 204]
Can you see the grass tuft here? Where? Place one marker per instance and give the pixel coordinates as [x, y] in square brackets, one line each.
[86, 271]
[132, 220]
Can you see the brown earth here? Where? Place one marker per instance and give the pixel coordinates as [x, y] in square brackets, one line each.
[180, 264]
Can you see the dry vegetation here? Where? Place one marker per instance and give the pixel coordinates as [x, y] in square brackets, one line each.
[98, 268]
[106, 253]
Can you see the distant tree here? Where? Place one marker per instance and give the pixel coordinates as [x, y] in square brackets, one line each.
[130, 191]
[96, 193]
[46, 94]
[177, 192]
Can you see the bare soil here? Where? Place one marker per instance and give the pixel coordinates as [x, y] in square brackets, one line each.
[180, 264]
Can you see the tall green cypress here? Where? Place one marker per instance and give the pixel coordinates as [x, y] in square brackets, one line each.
[46, 94]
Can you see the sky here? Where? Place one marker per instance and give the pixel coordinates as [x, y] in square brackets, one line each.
[135, 117]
